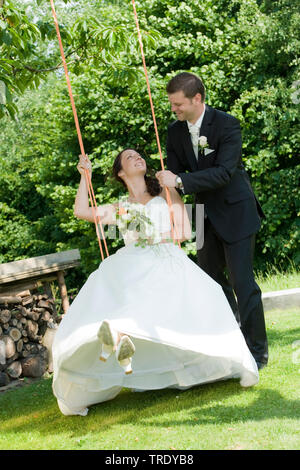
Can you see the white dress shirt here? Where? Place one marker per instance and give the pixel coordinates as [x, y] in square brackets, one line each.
[194, 130]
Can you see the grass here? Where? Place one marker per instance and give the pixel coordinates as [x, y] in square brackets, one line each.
[275, 279]
[217, 416]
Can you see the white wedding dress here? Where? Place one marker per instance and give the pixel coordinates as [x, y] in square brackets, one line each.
[178, 318]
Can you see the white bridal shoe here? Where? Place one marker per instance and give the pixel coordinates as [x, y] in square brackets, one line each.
[109, 339]
[124, 353]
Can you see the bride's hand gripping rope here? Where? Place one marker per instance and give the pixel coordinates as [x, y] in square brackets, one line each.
[84, 164]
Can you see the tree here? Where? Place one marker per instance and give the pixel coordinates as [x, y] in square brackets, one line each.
[28, 46]
[22, 61]
[246, 53]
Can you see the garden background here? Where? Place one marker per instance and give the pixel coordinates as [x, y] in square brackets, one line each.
[247, 53]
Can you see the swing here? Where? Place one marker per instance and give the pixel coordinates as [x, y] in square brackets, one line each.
[87, 175]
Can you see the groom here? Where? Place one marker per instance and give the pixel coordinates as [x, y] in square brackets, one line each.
[204, 157]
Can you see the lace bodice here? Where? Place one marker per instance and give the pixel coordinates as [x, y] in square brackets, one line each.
[157, 211]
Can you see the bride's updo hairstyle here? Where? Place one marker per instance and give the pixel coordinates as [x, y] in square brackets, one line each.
[152, 184]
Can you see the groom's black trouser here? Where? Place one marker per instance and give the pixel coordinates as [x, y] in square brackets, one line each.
[237, 258]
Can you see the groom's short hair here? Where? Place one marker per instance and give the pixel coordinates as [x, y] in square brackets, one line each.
[187, 82]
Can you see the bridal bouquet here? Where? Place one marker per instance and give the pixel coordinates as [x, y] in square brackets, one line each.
[134, 217]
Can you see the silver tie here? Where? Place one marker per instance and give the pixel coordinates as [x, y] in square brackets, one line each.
[194, 131]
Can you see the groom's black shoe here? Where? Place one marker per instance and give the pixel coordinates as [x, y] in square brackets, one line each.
[261, 365]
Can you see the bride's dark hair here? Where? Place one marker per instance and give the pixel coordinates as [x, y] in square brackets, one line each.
[152, 184]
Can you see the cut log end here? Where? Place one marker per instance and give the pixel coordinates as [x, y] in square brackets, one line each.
[10, 347]
[26, 319]
[15, 334]
[34, 366]
[14, 370]
[5, 316]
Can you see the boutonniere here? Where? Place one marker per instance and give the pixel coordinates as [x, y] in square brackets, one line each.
[202, 142]
[203, 145]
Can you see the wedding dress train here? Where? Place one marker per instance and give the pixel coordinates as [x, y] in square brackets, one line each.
[178, 318]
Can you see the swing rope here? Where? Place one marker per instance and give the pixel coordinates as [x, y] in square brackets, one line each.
[171, 211]
[87, 175]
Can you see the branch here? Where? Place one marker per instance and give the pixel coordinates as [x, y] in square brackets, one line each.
[31, 69]
[34, 70]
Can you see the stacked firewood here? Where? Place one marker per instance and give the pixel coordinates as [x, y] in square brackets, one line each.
[24, 321]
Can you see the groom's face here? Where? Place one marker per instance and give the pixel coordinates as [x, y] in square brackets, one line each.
[186, 109]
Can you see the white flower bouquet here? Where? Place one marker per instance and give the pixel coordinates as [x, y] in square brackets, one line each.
[134, 217]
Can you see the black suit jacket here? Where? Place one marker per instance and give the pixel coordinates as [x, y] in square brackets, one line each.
[218, 180]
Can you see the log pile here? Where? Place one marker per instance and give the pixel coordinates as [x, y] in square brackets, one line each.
[24, 320]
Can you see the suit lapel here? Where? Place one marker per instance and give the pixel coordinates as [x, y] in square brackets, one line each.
[204, 130]
[207, 120]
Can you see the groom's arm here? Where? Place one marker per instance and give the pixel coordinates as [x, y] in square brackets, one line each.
[226, 163]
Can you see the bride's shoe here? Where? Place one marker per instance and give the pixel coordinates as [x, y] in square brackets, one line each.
[124, 353]
[109, 339]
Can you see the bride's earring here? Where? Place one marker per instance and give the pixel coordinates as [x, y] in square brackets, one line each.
[124, 353]
[109, 340]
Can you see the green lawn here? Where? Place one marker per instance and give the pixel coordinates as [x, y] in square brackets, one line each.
[216, 416]
[275, 279]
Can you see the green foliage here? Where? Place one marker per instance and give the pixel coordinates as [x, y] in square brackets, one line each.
[245, 51]
[29, 52]
[23, 58]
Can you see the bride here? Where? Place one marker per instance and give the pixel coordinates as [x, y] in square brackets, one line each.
[148, 317]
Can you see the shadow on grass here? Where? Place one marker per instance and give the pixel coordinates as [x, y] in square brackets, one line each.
[200, 405]
[283, 337]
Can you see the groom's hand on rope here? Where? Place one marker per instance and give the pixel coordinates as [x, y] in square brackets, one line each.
[84, 163]
[166, 178]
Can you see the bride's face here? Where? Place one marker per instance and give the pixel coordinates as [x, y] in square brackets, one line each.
[132, 164]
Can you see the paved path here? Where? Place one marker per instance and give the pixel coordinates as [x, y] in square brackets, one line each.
[281, 299]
